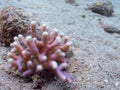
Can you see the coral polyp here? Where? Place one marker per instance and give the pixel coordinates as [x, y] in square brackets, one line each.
[44, 49]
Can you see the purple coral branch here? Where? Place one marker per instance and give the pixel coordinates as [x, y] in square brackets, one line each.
[27, 73]
[19, 64]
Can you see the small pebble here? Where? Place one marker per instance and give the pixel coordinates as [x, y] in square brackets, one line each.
[116, 84]
[106, 81]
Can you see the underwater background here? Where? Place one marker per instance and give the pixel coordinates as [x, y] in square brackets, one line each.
[95, 59]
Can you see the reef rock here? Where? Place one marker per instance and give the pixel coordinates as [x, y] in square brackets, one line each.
[13, 21]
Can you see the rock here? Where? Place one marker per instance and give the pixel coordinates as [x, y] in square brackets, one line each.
[103, 8]
[70, 1]
[13, 21]
[110, 29]
[73, 2]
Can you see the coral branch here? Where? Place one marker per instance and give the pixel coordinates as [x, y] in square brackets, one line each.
[35, 53]
[33, 29]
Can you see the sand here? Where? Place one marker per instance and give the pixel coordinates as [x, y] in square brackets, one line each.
[95, 63]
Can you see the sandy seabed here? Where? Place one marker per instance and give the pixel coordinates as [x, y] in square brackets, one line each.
[95, 63]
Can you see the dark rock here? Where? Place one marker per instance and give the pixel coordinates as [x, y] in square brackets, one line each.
[73, 2]
[103, 8]
[110, 29]
[70, 1]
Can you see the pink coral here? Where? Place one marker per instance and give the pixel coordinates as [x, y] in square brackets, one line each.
[31, 55]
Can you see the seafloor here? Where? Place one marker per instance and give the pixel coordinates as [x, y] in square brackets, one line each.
[95, 64]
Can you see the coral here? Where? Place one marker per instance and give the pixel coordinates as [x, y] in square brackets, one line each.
[13, 21]
[30, 55]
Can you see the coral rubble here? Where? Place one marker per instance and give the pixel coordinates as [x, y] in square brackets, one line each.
[30, 55]
[13, 21]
